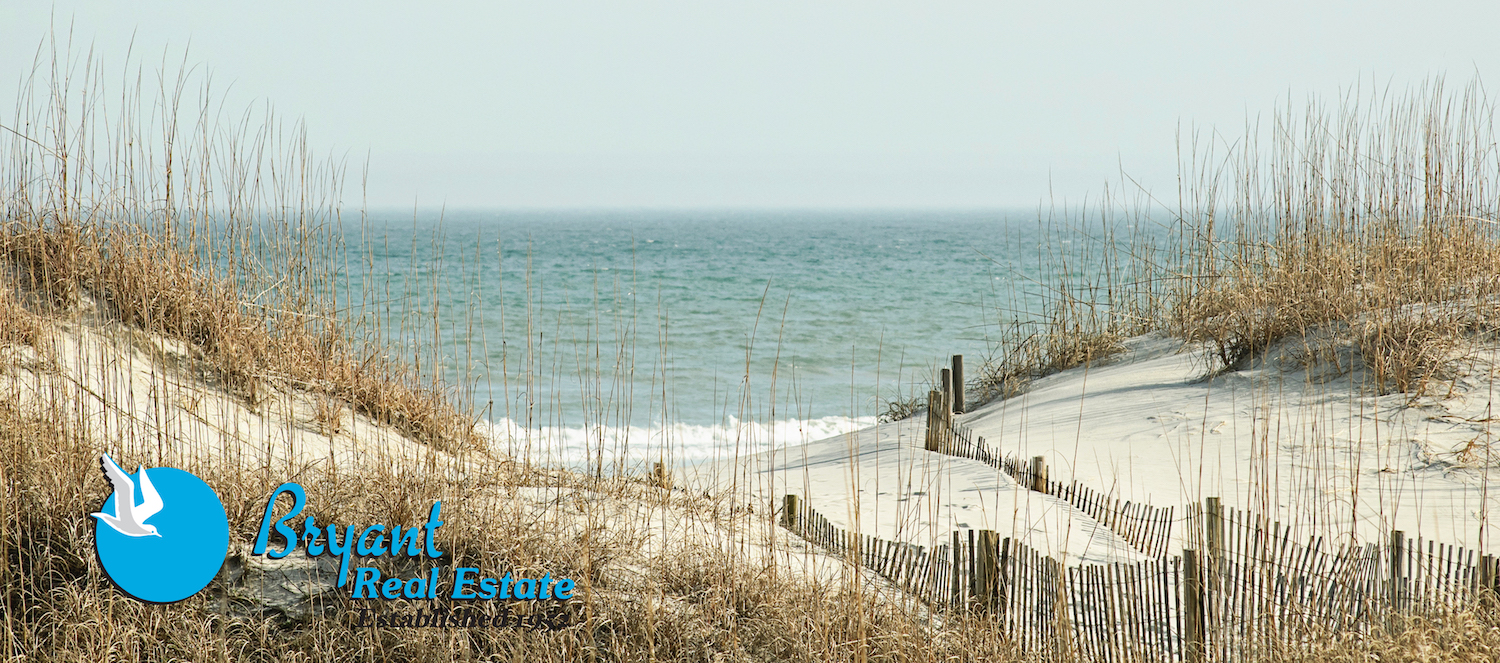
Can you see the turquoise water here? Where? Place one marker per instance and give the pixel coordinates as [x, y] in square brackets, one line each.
[654, 334]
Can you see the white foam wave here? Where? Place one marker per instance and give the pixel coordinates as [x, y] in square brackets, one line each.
[675, 442]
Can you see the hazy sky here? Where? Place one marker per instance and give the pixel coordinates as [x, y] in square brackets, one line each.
[783, 104]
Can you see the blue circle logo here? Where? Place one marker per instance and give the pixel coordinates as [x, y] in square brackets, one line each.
[162, 535]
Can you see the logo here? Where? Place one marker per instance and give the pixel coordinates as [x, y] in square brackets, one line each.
[160, 537]
[350, 541]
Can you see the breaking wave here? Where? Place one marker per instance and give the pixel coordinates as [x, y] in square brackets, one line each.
[674, 442]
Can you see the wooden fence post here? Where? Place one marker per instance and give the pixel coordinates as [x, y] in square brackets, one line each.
[1193, 628]
[958, 384]
[972, 589]
[987, 573]
[789, 512]
[1214, 530]
[1213, 512]
[1489, 584]
[945, 378]
[1039, 474]
[935, 432]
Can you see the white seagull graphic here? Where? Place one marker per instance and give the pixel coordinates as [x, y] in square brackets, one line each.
[130, 518]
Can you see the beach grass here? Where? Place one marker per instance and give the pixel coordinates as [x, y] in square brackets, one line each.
[171, 297]
[162, 255]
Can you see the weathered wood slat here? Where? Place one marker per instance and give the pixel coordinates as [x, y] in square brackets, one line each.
[1262, 590]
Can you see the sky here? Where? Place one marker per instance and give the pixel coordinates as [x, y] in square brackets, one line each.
[798, 104]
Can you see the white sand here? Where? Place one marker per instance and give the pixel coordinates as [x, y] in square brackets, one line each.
[1303, 444]
[142, 394]
[146, 399]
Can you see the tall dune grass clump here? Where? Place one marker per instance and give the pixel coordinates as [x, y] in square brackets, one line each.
[1371, 228]
[1366, 232]
[156, 212]
[1100, 280]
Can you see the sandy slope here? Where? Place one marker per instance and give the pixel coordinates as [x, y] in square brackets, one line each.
[1300, 440]
[141, 393]
[148, 399]
[881, 481]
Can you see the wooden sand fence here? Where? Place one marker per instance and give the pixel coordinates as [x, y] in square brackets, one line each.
[1251, 588]
[1242, 585]
[1147, 528]
[1266, 587]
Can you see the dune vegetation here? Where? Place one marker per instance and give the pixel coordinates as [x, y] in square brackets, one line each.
[173, 291]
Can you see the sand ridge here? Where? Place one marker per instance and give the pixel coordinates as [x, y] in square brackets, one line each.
[1302, 441]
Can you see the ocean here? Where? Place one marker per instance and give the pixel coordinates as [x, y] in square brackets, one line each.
[624, 337]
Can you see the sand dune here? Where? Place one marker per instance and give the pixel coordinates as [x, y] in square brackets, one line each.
[1305, 442]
